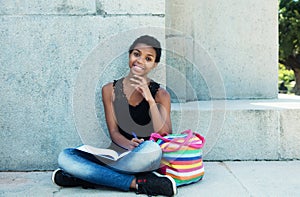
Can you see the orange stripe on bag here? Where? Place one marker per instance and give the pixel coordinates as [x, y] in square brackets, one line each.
[183, 166]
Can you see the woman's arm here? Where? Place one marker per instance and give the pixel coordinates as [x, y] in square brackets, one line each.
[160, 109]
[116, 136]
[160, 106]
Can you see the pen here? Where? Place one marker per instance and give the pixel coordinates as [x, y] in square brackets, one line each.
[134, 135]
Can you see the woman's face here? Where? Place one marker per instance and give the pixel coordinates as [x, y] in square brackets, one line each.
[142, 59]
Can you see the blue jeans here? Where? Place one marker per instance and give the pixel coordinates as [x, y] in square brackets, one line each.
[118, 174]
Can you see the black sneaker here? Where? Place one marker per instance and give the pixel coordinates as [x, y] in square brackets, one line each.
[60, 178]
[154, 184]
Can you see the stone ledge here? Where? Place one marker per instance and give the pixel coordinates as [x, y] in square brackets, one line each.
[283, 102]
[243, 129]
[131, 7]
[56, 7]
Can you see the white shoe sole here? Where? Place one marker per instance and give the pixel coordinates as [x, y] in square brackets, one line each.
[53, 175]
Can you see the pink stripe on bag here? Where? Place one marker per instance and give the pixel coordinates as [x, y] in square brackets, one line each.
[195, 144]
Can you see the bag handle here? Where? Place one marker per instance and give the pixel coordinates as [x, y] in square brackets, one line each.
[180, 144]
[195, 144]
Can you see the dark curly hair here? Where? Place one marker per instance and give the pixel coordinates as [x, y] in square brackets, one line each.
[150, 41]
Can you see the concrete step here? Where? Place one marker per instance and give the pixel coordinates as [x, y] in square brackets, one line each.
[244, 129]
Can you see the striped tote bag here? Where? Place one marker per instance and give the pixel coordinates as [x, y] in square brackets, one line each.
[182, 156]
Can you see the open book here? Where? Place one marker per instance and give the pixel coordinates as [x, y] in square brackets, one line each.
[102, 152]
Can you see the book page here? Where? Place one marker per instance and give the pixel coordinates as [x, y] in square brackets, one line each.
[107, 153]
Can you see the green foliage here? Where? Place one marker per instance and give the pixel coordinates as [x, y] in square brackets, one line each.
[289, 28]
[286, 79]
[289, 42]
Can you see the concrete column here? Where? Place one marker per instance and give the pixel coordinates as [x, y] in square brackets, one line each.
[240, 39]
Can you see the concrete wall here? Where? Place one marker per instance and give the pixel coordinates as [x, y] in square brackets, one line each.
[240, 42]
[43, 45]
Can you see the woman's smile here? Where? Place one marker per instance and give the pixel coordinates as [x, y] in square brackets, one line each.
[138, 67]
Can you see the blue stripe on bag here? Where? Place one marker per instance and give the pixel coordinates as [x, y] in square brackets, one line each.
[182, 158]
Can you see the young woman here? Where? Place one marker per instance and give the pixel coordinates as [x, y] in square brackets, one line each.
[135, 106]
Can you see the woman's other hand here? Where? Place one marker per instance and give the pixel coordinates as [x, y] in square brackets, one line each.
[134, 142]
